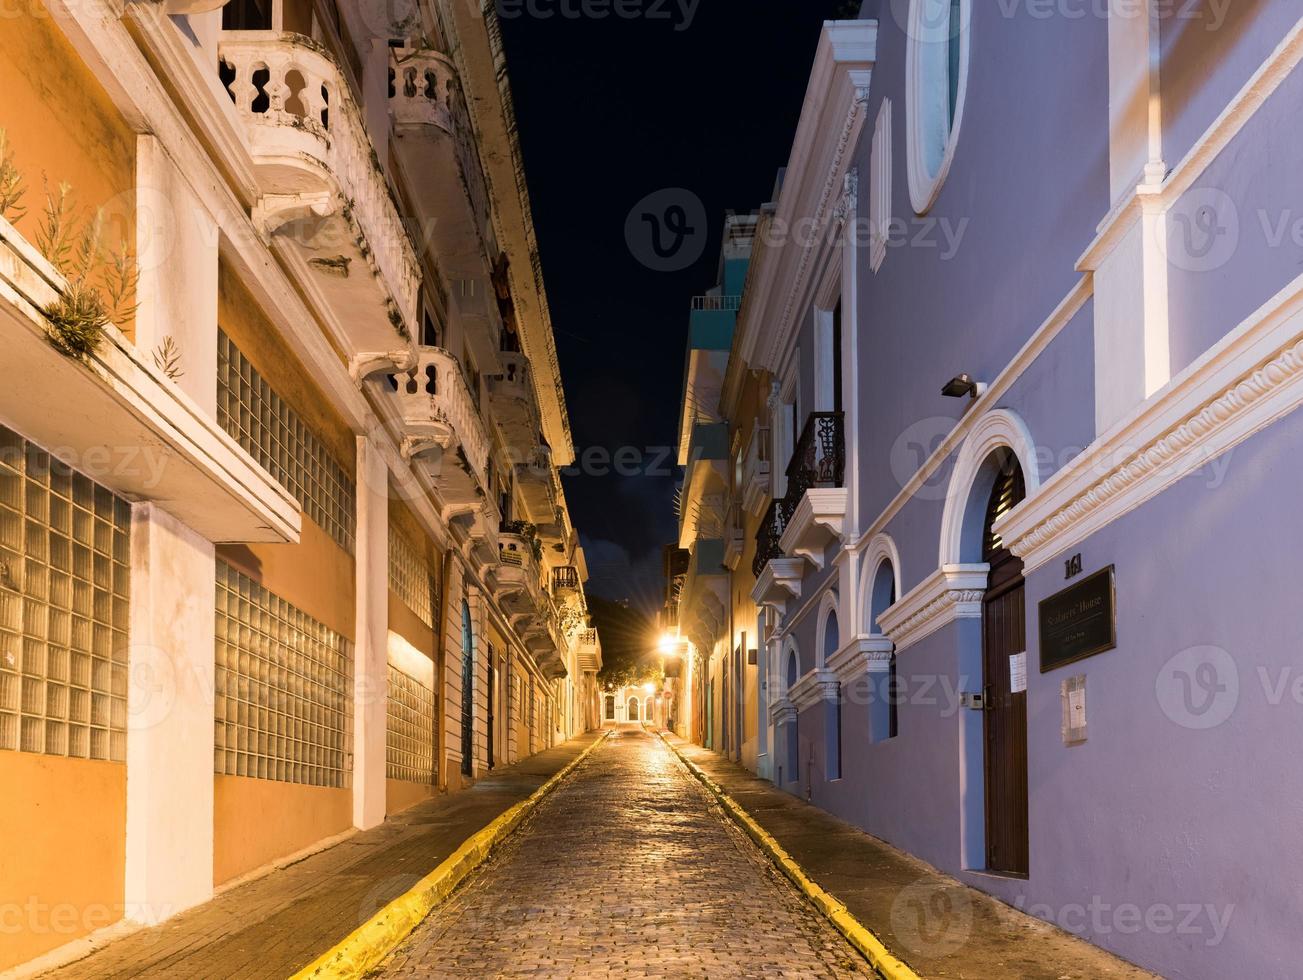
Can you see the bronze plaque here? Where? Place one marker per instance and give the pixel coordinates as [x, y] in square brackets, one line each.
[1078, 622]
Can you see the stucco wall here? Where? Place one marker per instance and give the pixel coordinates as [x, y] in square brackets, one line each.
[61, 125]
[62, 864]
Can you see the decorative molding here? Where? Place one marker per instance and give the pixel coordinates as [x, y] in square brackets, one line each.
[951, 592]
[993, 430]
[881, 548]
[863, 654]
[815, 524]
[816, 686]
[779, 583]
[363, 366]
[832, 116]
[783, 712]
[1251, 378]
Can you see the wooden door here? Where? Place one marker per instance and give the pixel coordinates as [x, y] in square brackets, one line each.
[1004, 635]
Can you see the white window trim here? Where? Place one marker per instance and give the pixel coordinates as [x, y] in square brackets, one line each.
[925, 187]
[880, 177]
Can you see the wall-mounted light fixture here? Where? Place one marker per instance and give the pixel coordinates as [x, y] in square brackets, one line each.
[961, 385]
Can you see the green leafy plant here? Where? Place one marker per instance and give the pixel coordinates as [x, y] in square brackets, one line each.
[99, 283]
[167, 358]
[11, 183]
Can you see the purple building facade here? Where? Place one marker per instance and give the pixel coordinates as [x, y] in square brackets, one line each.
[1036, 630]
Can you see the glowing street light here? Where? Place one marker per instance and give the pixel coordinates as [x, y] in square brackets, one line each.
[669, 644]
[649, 687]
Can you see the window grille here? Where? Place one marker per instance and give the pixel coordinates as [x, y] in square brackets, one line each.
[411, 577]
[410, 738]
[283, 709]
[256, 417]
[65, 564]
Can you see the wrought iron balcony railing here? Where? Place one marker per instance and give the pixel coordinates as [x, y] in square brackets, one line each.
[768, 534]
[565, 577]
[819, 461]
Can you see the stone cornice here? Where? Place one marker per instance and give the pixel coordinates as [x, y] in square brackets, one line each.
[818, 685]
[863, 654]
[951, 592]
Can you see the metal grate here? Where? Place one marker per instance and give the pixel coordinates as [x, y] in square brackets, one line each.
[282, 707]
[64, 573]
[273, 434]
[410, 738]
[411, 577]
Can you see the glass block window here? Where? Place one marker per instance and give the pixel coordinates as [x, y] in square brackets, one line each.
[411, 577]
[410, 738]
[283, 682]
[64, 574]
[272, 433]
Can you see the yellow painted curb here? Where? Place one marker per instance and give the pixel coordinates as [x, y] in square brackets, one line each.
[834, 910]
[371, 942]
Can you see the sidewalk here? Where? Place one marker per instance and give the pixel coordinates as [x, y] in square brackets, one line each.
[936, 924]
[271, 927]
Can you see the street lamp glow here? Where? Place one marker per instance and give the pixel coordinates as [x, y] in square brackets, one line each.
[669, 644]
[649, 687]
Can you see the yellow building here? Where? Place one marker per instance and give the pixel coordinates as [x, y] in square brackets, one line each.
[283, 546]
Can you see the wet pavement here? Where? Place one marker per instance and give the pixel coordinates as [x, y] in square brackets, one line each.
[628, 869]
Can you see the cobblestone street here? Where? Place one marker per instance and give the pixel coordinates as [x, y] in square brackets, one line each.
[627, 870]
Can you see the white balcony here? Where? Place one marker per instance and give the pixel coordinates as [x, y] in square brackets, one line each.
[815, 524]
[119, 420]
[514, 408]
[590, 651]
[734, 536]
[324, 203]
[432, 136]
[517, 577]
[442, 428]
[756, 472]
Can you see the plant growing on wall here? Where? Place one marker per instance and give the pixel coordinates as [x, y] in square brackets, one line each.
[99, 282]
[167, 358]
[11, 183]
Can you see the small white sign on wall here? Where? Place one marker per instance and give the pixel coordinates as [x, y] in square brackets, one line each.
[1073, 695]
[1018, 673]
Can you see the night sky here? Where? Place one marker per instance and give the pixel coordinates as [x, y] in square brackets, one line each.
[610, 111]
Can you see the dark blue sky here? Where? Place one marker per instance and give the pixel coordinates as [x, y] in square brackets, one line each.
[700, 96]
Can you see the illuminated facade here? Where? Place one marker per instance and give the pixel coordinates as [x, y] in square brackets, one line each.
[283, 547]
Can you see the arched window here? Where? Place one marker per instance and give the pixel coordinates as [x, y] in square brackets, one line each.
[793, 670]
[633, 709]
[832, 640]
[936, 72]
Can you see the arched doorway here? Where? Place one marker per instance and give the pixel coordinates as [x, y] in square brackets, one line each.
[633, 709]
[792, 735]
[610, 707]
[1004, 636]
[467, 691]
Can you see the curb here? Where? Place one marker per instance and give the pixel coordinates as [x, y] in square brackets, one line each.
[834, 910]
[371, 942]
